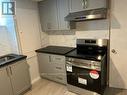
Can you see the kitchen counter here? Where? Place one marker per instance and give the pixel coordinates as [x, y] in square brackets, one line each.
[59, 50]
[10, 58]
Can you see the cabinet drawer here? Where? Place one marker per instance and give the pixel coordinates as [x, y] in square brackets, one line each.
[59, 68]
[58, 59]
[61, 79]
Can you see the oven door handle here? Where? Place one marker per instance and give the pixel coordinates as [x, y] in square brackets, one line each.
[82, 66]
[76, 65]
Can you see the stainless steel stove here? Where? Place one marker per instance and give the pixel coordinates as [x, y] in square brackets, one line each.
[86, 67]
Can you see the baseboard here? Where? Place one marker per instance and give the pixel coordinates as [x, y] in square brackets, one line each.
[35, 80]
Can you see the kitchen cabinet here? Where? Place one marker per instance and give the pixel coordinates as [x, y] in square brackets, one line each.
[52, 13]
[81, 5]
[58, 62]
[44, 15]
[5, 83]
[52, 67]
[15, 78]
[45, 65]
[20, 77]
[48, 15]
[63, 11]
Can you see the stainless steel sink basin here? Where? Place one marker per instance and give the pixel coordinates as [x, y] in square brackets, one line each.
[6, 58]
[10, 58]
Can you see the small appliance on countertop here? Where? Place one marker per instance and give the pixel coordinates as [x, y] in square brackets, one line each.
[86, 67]
[59, 50]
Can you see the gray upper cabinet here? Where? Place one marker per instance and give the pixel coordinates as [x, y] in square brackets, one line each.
[20, 77]
[63, 11]
[52, 17]
[48, 15]
[80, 5]
[52, 13]
[44, 16]
[5, 84]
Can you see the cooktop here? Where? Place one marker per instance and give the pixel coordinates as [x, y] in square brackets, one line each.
[86, 56]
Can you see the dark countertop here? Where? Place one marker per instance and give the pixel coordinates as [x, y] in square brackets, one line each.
[13, 60]
[59, 50]
[95, 57]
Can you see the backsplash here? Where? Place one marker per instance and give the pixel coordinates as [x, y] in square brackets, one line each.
[85, 30]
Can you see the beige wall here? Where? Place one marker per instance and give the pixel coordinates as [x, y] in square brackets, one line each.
[5, 45]
[85, 30]
[28, 30]
[118, 61]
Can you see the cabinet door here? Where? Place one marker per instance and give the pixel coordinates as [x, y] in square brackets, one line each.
[80, 5]
[53, 15]
[49, 15]
[63, 11]
[20, 77]
[45, 66]
[5, 83]
[76, 5]
[94, 4]
[44, 15]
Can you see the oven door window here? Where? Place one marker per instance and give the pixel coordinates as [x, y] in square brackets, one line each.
[85, 78]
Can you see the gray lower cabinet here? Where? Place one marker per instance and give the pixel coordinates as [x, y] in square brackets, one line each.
[45, 66]
[15, 78]
[20, 77]
[5, 83]
[52, 67]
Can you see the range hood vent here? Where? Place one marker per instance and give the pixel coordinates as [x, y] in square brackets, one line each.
[94, 14]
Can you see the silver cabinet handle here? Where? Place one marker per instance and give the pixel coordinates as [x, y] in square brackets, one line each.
[7, 71]
[114, 51]
[10, 70]
[49, 58]
[85, 4]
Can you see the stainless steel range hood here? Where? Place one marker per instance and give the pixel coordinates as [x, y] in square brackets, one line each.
[93, 14]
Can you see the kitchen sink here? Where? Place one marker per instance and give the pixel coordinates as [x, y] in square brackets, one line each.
[10, 58]
[6, 58]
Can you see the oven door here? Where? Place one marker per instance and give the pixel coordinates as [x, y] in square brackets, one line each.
[83, 77]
